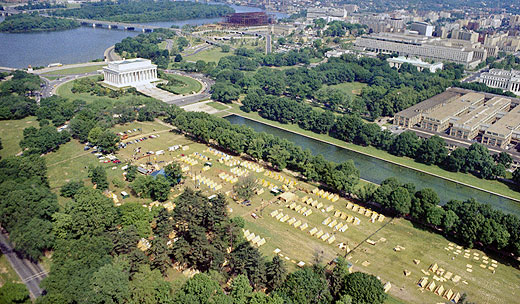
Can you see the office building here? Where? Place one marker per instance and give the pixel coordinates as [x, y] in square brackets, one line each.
[502, 79]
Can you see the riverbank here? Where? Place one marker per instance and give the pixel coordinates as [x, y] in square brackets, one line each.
[491, 187]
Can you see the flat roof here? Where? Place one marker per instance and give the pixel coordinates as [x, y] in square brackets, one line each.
[479, 115]
[455, 107]
[507, 124]
[428, 104]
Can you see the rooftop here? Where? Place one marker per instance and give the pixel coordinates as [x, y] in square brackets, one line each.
[507, 124]
[130, 64]
[482, 114]
[456, 107]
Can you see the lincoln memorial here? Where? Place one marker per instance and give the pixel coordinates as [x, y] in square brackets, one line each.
[130, 72]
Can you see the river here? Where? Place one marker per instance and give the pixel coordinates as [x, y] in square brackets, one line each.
[78, 45]
[376, 170]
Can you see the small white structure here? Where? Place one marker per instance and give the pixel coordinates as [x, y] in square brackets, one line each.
[418, 63]
[130, 72]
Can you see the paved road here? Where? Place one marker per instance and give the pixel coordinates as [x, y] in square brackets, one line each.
[50, 86]
[111, 55]
[30, 273]
[204, 94]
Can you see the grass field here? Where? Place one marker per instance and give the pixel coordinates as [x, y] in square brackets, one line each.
[12, 133]
[296, 245]
[211, 55]
[219, 106]
[182, 84]
[70, 161]
[350, 88]
[70, 71]
[490, 185]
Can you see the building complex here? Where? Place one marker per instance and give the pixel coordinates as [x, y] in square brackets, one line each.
[491, 119]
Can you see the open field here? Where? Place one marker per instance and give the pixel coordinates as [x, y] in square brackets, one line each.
[297, 245]
[350, 88]
[71, 71]
[219, 106]
[70, 160]
[466, 178]
[12, 132]
[211, 55]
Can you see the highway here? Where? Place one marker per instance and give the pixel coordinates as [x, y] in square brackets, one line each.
[29, 272]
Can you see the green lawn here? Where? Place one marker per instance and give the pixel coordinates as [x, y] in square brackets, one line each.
[211, 55]
[217, 105]
[466, 178]
[12, 133]
[65, 91]
[350, 88]
[182, 85]
[71, 71]
[70, 160]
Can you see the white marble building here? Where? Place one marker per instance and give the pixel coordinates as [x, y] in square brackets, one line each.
[130, 72]
[502, 79]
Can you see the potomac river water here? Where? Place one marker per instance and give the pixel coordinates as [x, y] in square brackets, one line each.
[376, 170]
[83, 44]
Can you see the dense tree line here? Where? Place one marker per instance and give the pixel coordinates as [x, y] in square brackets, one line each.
[146, 46]
[24, 23]
[15, 101]
[27, 204]
[281, 153]
[91, 85]
[58, 110]
[145, 11]
[351, 128]
[470, 222]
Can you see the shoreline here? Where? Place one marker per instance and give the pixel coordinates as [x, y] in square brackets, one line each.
[379, 158]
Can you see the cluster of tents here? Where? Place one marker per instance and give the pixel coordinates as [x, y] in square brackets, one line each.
[324, 194]
[202, 180]
[254, 239]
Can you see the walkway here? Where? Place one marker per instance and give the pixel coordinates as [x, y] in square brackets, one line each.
[30, 273]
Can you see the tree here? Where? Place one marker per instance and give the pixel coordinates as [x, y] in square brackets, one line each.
[224, 92]
[364, 288]
[14, 293]
[107, 141]
[70, 188]
[200, 289]
[178, 58]
[432, 151]
[94, 135]
[305, 286]
[276, 272]
[504, 158]
[245, 187]
[110, 283]
[240, 289]
[148, 287]
[405, 144]
[173, 173]
[33, 238]
[98, 176]
[131, 173]
[401, 201]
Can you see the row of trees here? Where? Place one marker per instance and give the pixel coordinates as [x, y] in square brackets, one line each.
[351, 128]
[281, 153]
[145, 11]
[33, 22]
[469, 222]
